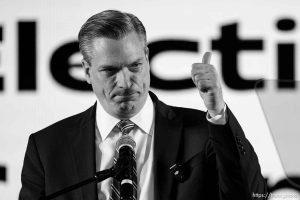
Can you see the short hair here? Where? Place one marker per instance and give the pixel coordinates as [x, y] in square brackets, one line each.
[111, 24]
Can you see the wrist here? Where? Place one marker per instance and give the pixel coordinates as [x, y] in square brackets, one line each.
[218, 111]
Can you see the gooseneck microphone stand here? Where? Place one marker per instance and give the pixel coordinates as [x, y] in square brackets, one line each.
[119, 172]
[98, 177]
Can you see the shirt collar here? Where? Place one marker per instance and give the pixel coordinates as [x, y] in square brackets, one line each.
[143, 119]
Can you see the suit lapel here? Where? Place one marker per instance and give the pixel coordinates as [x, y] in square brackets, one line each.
[167, 136]
[84, 153]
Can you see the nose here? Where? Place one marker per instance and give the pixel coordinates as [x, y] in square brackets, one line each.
[123, 78]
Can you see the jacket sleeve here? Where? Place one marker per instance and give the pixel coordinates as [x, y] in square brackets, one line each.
[239, 174]
[32, 176]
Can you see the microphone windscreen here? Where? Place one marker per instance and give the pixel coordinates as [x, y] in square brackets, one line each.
[126, 140]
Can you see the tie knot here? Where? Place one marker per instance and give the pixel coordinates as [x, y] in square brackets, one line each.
[125, 126]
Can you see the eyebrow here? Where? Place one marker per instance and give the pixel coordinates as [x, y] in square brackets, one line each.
[136, 61]
[104, 66]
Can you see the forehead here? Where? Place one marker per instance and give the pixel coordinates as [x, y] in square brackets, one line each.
[118, 51]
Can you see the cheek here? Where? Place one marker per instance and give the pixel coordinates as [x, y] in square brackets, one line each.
[144, 78]
[147, 78]
[93, 76]
[98, 83]
[144, 82]
[106, 85]
[139, 80]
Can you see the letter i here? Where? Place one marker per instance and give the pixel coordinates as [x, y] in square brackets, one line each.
[286, 56]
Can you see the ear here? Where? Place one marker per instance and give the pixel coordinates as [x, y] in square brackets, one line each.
[147, 53]
[86, 67]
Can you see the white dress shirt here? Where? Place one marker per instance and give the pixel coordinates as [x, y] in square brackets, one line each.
[143, 134]
[106, 137]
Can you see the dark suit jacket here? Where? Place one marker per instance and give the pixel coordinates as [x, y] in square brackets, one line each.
[216, 161]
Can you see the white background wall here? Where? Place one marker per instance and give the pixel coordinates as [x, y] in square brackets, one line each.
[58, 22]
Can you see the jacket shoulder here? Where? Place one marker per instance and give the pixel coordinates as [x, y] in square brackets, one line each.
[62, 127]
[189, 114]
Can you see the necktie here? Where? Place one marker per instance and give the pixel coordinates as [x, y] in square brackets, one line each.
[125, 126]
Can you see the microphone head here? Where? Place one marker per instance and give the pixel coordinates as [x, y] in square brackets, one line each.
[125, 140]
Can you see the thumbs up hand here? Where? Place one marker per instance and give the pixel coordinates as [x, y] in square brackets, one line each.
[207, 81]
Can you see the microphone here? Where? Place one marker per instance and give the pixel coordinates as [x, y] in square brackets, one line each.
[124, 169]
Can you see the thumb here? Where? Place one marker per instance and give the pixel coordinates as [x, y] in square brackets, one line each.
[206, 58]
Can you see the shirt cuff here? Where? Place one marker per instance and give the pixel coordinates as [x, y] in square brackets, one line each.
[220, 119]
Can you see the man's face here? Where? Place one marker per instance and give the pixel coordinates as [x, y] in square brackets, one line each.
[119, 74]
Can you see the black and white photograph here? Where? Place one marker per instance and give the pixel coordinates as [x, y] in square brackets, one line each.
[149, 100]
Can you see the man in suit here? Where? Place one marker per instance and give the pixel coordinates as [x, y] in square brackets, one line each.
[181, 153]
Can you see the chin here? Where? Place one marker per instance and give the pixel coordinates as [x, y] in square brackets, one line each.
[126, 110]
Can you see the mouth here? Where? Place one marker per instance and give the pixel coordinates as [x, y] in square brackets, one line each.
[125, 96]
